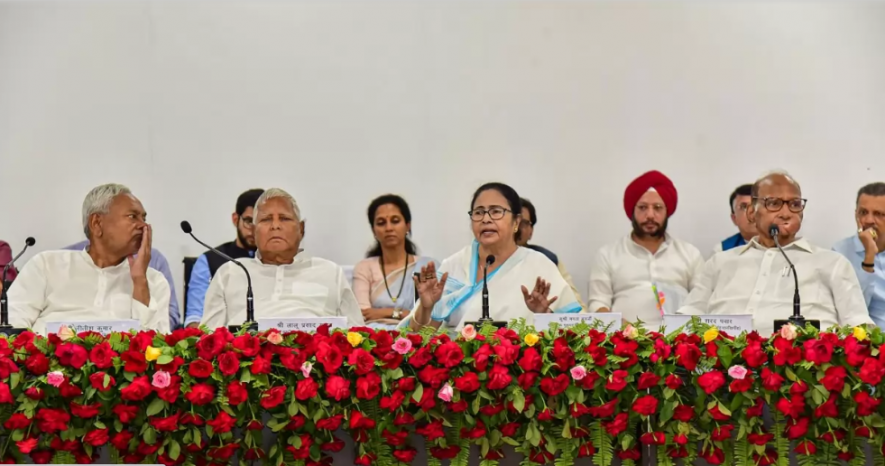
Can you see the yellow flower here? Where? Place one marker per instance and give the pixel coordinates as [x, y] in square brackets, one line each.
[860, 333]
[531, 339]
[151, 353]
[711, 334]
[354, 338]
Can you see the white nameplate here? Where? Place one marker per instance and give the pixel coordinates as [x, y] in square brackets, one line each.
[733, 325]
[303, 324]
[564, 320]
[103, 327]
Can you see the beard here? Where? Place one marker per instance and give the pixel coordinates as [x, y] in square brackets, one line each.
[242, 238]
[658, 233]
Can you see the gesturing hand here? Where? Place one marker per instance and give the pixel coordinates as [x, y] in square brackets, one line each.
[138, 264]
[537, 301]
[429, 288]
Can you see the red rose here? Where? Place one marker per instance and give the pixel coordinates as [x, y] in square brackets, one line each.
[427, 401]
[653, 438]
[864, 431]
[170, 393]
[201, 394]
[475, 432]
[34, 393]
[834, 378]
[785, 353]
[866, 404]
[792, 407]
[458, 406]
[759, 439]
[447, 453]
[291, 359]
[431, 431]
[662, 351]
[589, 380]
[754, 355]
[830, 438]
[683, 413]
[368, 459]
[818, 351]
[722, 433]
[481, 357]
[229, 363]
[756, 409]
[717, 414]
[42, 456]
[368, 387]
[125, 413]
[546, 415]
[362, 361]
[97, 380]
[646, 405]
[224, 453]
[211, 345]
[617, 425]
[260, 366]
[713, 455]
[450, 354]
[530, 360]
[806, 447]
[562, 354]
[329, 356]
[134, 362]
[171, 367]
[491, 410]
[69, 390]
[405, 384]
[393, 402]
[828, 408]
[798, 388]
[237, 393]
[96, 437]
[631, 454]
[872, 371]
[527, 380]
[507, 352]
[166, 424]
[338, 388]
[224, 422]
[248, 345]
[599, 355]
[188, 419]
[406, 456]
[796, 428]
[433, 376]
[499, 378]
[688, 355]
[26, 446]
[467, 383]
[85, 411]
[605, 410]
[771, 381]
[648, 380]
[37, 363]
[138, 390]
[200, 368]
[625, 349]
[330, 423]
[711, 381]
[72, 355]
[17, 421]
[741, 385]
[52, 420]
[422, 356]
[120, 441]
[306, 389]
[586, 450]
[618, 381]
[273, 397]
[554, 386]
[360, 421]
[855, 351]
[673, 382]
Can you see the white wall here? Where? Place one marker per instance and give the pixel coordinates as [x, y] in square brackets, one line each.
[190, 103]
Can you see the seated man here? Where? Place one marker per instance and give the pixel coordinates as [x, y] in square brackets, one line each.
[755, 279]
[866, 249]
[285, 281]
[5, 258]
[739, 201]
[524, 235]
[108, 280]
[208, 263]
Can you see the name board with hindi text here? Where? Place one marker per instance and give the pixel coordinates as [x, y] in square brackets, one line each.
[103, 327]
[612, 320]
[302, 324]
[733, 324]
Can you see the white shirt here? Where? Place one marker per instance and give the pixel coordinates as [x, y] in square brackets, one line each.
[67, 286]
[756, 280]
[624, 276]
[308, 287]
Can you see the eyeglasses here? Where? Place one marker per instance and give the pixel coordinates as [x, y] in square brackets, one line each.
[774, 204]
[247, 221]
[495, 213]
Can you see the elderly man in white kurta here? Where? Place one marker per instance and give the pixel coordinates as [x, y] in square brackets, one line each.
[286, 282]
[109, 280]
[755, 279]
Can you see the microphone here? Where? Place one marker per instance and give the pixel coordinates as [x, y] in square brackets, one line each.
[796, 319]
[5, 328]
[486, 318]
[250, 323]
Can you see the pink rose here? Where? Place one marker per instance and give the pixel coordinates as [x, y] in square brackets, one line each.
[468, 332]
[402, 345]
[55, 379]
[788, 332]
[446, 392]
[305, 369]
[161, 379]
[630, 332]
[274, 338]
[65, 333]
[737, 372]
[578, 372]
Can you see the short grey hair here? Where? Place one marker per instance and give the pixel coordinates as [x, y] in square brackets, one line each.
[755, 191]
[99, 200]
[274, 193]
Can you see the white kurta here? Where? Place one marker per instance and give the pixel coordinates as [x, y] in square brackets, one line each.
[462, 298]
[67, 286]
[624, 276]
[308, 287]
[756, 280]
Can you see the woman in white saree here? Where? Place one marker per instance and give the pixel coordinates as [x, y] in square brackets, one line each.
[521, 282]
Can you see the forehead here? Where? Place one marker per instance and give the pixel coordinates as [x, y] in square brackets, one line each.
[387, 210]
[526, 214]
[872, 202]
[490, 197]
[276, 205]
[126, 203]
[248, 212]
[651, 197]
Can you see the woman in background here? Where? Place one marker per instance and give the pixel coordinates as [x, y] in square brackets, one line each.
[521, 282]
[382, 282]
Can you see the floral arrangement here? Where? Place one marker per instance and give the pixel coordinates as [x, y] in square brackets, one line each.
[552, 396]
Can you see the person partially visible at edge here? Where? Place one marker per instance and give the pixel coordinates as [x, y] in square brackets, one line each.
[209, 262]
[527, 222]
[739, 202]
[6, 258]
[521, 282]
[382, 282]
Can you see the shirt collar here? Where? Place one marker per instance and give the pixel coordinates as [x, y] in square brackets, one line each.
[800, 243]
[668, 242]
[86, 257]
[301, 256]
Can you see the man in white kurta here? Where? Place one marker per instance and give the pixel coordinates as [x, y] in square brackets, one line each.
[755, 278]
[110, 280]
[286, 282]
[648, 272]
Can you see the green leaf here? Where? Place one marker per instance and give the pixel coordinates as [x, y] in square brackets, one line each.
[667, 412]
[198, 437]
[791, 375]
[99, 425]
[164, 359]
[14, 379]
[18, 435]
[566, 431]
[519, 401]
[155, 407]
[182, 345]
[484, 446]
[246, 377]
[149, 436]
[417, 394]
[725, 355]
[174, 450]
[106, 381]
[724, 410]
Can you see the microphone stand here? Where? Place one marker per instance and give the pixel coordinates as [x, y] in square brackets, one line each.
[5, 327]
[486, 317]
[796, 319]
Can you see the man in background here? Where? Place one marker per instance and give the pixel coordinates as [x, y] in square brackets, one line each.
[209, 262]
[524, 235]
[647, 273]
[866, 249]
[739, 201]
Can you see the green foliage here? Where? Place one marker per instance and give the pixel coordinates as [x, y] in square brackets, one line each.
[602, 441]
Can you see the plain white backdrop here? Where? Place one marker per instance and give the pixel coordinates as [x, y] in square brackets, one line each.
[190, 103]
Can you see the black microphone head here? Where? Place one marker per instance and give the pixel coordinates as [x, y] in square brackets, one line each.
[490, 259]
[30, 241]
[773, 231]
[186, 227]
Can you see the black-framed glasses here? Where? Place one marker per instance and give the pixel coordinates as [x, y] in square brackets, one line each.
[495, 213]
[774, 204]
